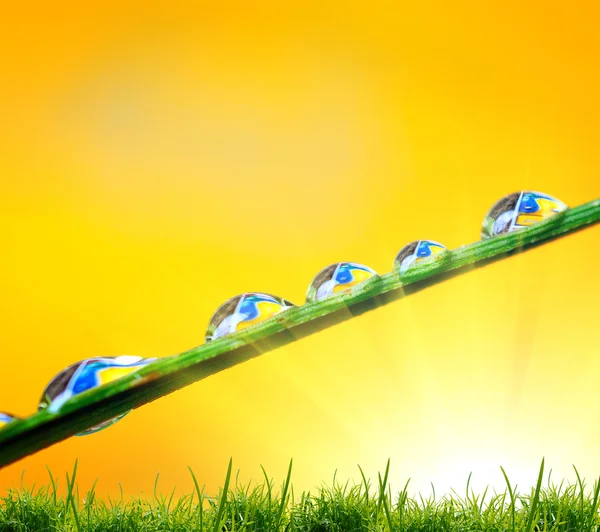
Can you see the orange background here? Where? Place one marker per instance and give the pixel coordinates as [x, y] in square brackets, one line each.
[157, 161]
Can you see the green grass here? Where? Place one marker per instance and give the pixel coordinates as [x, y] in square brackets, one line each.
[341, 508]
[24, 437]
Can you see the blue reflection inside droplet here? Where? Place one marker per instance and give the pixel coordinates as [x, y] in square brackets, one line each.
[87, 378]
[344, 276]
[423, 250]
[529, 203]
[249, 308]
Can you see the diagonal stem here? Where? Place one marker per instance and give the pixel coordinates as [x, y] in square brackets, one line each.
[24, 437]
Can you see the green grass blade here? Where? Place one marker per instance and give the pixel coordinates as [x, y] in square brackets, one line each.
[218, 519]
[269, 486]
[593, 515]
[200, 494]
[71, 498]
[468, 484]
[365, 484]
[383, 484]
[53, 483]
[535, 501]
[24, 437]
[384, 501]
[512, 500]
[383, 498]
[284, 494]
[402, 500]
[581, 490]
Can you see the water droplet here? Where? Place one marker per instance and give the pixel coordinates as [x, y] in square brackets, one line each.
[519, 210]
[417, 251]
[5, 419]
[337, 278]
[85, 375]
[243, 311]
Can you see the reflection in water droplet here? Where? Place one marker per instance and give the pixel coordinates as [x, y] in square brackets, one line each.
[337, 278]
[519, 210]
[243, 311]
[5, 419]
[418, 251]
[85, 375]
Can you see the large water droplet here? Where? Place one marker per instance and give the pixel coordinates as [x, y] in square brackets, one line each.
[243, 311]
[337, 278]
[417, 251]
[85, 375]
[519, 210]
[5, 419]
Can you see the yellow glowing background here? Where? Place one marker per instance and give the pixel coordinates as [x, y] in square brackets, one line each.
[155, 162]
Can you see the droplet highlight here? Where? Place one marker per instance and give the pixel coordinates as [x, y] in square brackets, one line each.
[243, 311]
[337, 278]
[86, 375]
[518, 211]
[418, 251]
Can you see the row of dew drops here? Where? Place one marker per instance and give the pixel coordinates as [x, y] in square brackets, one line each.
[511, 213]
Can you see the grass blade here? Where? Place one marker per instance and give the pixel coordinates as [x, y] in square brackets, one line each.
[24, 437]
[535, 501]
[594, 507]
[366, 485]
[383, 500]
[284, 494]
[512, 500]
[581, 490]
[199, 493]
[70, 497]
[218, 524]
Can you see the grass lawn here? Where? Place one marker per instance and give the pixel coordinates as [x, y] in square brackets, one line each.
[344, 508]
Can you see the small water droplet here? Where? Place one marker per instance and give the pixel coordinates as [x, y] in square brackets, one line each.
[519, 210]
[6, 418]
[337, 278]
[243, 311]
[417, 251]
[85, 375]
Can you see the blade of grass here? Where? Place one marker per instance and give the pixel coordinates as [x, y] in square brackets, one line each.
[402, 500]
[70, 498]
[200, 499]
[383, 500]
[468, 484]
[383, 482]
[581, 490]
[89, 502]
[366, 485]
[23, 437]
[512, 500]
[594, 506]
[284, 493]
[535, 501]
[218, 520]
[156, 486]
[54, 487]
[269, 486]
